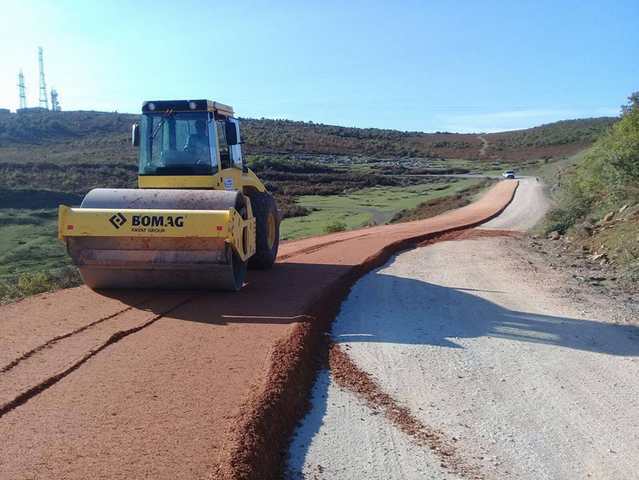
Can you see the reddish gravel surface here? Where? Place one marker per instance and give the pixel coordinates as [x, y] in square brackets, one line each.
[183, 385]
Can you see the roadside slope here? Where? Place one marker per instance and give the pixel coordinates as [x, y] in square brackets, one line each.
[183, 385]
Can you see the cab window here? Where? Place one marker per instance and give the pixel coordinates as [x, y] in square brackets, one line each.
[176, 144]
[223, 146]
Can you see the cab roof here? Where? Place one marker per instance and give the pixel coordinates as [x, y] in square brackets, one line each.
[217, 108]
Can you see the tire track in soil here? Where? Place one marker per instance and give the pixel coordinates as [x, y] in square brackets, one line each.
[56, 339]
[30, 393]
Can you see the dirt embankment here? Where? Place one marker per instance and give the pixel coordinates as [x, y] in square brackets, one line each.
[148, 385]
[437, 206]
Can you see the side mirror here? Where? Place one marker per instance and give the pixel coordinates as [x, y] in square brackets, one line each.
[232, 132]
[135, 135]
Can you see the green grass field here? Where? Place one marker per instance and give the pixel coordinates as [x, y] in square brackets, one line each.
[364, 207]
[28, 242]
[32, 260]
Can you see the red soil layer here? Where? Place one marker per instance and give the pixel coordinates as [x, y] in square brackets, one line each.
[184, 385]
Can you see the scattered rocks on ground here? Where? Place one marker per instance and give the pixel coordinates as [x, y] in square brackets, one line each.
[554, 235]
[588, 265]
[585, 227]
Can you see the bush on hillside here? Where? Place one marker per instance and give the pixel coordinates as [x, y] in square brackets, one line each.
[610, 171]
[336, 226]
[607, 177]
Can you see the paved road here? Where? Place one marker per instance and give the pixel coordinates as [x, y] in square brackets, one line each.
[482, 344]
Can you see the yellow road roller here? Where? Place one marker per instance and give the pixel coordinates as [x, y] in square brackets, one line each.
[199, 218]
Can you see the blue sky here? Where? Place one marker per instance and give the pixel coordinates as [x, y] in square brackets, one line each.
[411, 65]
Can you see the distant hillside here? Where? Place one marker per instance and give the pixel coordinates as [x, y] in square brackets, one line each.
[285, 136]
[556, 139]
[99, 137]
[44, 128]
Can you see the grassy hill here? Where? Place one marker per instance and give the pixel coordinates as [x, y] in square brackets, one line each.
[99, 137]
[558, 139]
[45, 155]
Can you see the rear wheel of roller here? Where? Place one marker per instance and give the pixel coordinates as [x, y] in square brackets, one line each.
[238, 266]
[267, 225]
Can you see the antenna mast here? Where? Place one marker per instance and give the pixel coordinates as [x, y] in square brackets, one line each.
[44, 99]
[22, 90]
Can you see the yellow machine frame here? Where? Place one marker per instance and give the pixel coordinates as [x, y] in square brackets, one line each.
[226, 224]
[227, 179]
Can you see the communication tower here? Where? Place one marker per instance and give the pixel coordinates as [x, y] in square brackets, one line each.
[44, 100]
[22, 90]
[55, 104]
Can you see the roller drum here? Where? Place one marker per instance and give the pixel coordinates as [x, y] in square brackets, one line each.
[159, 262]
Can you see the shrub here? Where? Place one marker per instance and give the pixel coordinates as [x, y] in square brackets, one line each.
[607, 177]
[561, 219]
[32, 283]
[38, 282]
[335, 226]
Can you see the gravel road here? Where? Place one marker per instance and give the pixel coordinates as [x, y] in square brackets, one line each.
[482, 343]
[182, 385]
[528, 208]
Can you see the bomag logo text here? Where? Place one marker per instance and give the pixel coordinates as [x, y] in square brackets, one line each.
[157, 221]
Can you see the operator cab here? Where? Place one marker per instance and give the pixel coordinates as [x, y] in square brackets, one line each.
[187, 137]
